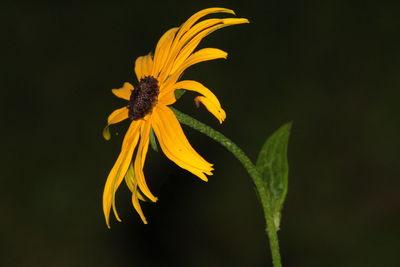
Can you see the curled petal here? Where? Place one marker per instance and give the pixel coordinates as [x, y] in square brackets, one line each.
[124, 92]
[210, 101]
[175, 145]
[217, 111]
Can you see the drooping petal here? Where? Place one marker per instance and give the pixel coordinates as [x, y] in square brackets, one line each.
[143, 66]
[218, 112]
[119, 170]
[175, 145]
[132, 185]
[141, 157]
[210, 101]
[130, 179]
[124, 92]
[163, 51]
[140, 195]
[136, 205]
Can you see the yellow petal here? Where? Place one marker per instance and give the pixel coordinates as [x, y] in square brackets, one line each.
[140, 195]
[143, 66]
[184, 46]
[195, 17]
[196, 34]
[119, 170]
[179, 43]
[218, 112]
[140, 159]
[130, 178]
[116, 116]
[163, 50]
[132, 185]
[204, 54]
[208, 26]
[136, 205]
[124, 92]
[210, 101]
[174, 144]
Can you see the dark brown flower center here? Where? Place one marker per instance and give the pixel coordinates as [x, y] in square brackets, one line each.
[143, 98]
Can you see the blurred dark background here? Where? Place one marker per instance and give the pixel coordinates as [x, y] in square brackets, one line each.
[332, 67]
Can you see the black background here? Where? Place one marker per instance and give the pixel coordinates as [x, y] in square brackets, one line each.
[332, 67]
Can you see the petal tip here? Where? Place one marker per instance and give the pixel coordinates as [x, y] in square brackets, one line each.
[108, 222]
[231, 11]
[106, 133]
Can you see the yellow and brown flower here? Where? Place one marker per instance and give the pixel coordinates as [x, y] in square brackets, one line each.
[148, 103]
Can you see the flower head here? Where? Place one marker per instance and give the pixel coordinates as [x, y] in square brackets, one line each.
[148, 103]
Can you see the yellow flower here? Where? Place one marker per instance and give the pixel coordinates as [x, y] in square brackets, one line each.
[148, 103]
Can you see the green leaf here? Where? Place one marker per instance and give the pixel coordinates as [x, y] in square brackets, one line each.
[179, 93]
[153, 141]
[272, 164]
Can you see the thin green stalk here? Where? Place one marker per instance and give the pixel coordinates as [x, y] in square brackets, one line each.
[251, 169]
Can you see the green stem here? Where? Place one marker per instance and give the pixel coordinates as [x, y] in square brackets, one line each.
[251, 169]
